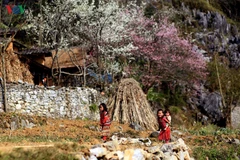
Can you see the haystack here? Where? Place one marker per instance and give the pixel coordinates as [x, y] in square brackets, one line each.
[130, 105]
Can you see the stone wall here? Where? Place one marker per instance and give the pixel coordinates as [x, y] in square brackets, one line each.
[53, 102]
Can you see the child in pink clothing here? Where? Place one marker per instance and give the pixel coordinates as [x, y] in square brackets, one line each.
[168, 117]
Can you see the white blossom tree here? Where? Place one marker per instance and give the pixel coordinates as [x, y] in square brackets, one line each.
[106, 30]
[55, 27]
[101, 29]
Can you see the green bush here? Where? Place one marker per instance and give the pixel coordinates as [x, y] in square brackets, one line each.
[174, 110]
[228, 153]
[165, 98]
[204, 130]
[177, 99]
[208, 130]
[93, 108]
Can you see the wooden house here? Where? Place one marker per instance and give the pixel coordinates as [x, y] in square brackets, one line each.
[70, 63]
[33, 57]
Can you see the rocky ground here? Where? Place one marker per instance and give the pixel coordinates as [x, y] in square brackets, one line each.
[80, 137]
[83, 133]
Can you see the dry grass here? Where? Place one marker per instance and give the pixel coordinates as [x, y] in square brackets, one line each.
[66, 139]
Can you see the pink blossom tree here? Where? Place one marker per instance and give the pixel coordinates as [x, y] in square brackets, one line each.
[165, 56]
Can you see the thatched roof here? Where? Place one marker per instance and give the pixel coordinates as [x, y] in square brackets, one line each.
[25, 51]
[67, 58]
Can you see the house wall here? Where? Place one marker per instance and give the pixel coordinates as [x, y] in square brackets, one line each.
[9, 49]
[40, 59]
[63, 102]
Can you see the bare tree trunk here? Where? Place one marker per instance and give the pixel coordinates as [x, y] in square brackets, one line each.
[84, 73]
[4, 78]
[219, 82]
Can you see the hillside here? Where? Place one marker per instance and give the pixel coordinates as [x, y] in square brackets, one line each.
[225, 7]
[69, 139]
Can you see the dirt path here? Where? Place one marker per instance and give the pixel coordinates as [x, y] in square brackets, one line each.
[57, 133]
[10, 148]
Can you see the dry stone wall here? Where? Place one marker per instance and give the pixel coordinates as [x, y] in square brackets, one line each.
[53, 102]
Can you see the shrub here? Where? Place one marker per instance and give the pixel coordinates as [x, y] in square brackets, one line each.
[93, 108]
[174, 110]
[158, 97]
[229, 153]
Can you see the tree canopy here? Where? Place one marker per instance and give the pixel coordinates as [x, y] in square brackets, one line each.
[109, 31]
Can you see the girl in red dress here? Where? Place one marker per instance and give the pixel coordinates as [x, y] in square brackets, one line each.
[105, 121]
[165, 131]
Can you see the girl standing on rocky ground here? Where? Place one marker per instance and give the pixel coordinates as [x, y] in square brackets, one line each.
[165, 131]
[105, 121]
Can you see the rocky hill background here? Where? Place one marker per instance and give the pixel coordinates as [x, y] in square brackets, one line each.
[213, 28]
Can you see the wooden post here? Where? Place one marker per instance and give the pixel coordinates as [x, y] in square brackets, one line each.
[84, 72]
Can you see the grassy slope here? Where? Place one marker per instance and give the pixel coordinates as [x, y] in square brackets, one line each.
[228, 8]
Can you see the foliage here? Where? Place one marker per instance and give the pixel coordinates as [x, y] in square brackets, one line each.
[158, 97]
[110, 31]
[55, 26]
[212, 142]
[174, 110]
[227, 131]
[228, 8]
[224, 7]
[93, 107]
[228, 80]
[202, 5]
[165, 98]
[166, 56]
[105, 30]
[100, 30]
[211, 130]
[3, 26]
[200, 153]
